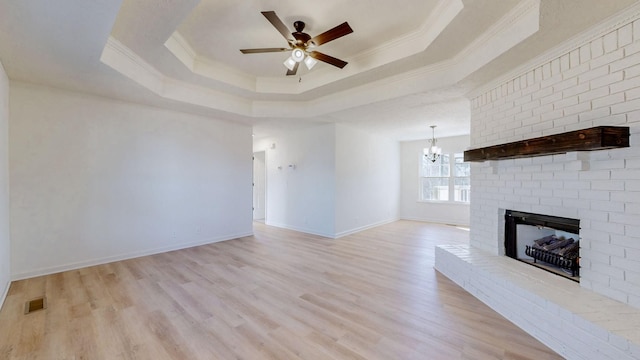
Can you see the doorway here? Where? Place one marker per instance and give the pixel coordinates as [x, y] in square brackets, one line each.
[259, 186]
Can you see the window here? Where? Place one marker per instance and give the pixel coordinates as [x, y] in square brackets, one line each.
[439, 183]
[461, 179]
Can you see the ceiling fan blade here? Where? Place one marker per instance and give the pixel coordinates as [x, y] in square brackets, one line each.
[294, 71]
[277, 23]
[263, 50]
[332, 34]
[328, 59]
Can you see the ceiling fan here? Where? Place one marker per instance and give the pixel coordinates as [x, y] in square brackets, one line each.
[301, 44]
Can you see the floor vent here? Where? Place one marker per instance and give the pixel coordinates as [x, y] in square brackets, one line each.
[35, 305]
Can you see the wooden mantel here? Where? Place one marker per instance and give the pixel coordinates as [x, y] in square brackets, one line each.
[595, 138]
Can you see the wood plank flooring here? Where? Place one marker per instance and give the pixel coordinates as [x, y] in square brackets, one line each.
[277, 295]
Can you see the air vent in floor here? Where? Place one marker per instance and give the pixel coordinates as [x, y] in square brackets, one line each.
[35, 305]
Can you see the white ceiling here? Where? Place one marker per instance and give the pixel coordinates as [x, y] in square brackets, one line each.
[410, 63]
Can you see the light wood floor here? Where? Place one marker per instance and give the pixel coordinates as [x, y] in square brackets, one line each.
[276, 295]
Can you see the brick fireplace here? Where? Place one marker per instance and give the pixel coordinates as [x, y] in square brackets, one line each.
[592, 81]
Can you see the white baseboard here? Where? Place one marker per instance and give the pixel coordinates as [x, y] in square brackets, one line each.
[299, 229]
[365, 227]
[435, 221]
[331, 236]
[4, 294]
[108, 259]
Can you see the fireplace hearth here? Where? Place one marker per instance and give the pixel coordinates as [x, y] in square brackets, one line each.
[550, 243]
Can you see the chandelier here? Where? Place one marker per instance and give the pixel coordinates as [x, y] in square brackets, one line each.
[433, 152]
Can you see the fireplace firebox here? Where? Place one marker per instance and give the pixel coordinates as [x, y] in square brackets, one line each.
[551, 243]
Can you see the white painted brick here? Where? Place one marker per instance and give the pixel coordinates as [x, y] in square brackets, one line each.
[542, 176]
[543, 92]
[608, 165]
[551, 98]
[607, 59]
[597, 48]
[596, 175]
[608, 100]
[552, 115]
[531, 89]
[625, 107]
[594, 94]
[564, 63]
[627, 196]
[593, 74]
[575, 203]
[542, 109]
[595, 114]
[611, 229]
[625, 35]
[575, 109]
[625, 173]
[522, 100]
[565, 84]
[633, 231]
[610, 42]
[576, 71]
[574, 58]
[603, 195]
[587, 214]
[537, 74]
[546, 71]
[605, 269]
[567, 177]
[613, 206]
[632, 185]
[632, 48]
[624, 85]
[611, 120]
[597, 192]
[632, 94]
[566, 102]
[531, 105]
[607, 80]
[596, 256]
[575, 90]
[626, 62]
[585, 53]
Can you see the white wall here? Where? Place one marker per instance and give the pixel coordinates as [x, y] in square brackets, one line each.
[5, 246]
[411, 208]
[593, 83]
[303, 198]
[94, 180]
[367, 180]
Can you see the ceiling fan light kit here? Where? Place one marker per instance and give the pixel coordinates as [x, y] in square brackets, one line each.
[297, 55]
[290, 63]
[301, 42]
[310, 62]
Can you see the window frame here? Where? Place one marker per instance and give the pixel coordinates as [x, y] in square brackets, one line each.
[451, 179]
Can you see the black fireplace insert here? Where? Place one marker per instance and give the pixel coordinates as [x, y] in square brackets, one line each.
[555, 248]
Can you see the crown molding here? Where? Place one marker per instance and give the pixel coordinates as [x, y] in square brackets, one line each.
[516, 26]
[119, 57]
[128, 63]
[200, 65]
[513, 28]
[624, 17]
[525, 13]
[444, 12]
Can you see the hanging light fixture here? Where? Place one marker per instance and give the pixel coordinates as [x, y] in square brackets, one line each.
[310, 62]
[289, 63]
[433, 152]
[299, 55]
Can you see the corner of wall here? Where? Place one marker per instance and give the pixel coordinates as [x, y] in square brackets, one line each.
[5, 242]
